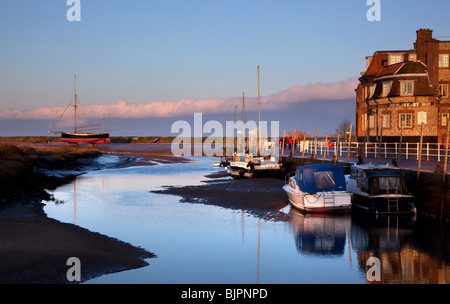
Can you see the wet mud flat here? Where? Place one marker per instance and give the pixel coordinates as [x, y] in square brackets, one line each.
[261, 197]
[34, 248]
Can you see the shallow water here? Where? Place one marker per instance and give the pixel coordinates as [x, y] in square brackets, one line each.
[197, 243]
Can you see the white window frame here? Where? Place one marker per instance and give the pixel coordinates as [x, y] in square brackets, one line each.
[444, 119]
[364, 122]
[407, 118]
[406, 87]
[371, 121]
[386, 123]
[443, 90]
[395, 58]
[372, 89]
[387, 86]
[443, 60]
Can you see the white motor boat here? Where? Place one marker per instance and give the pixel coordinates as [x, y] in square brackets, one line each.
[318, 188]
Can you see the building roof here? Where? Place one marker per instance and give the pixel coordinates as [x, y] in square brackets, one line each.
[396, 73]
[380, 60]
[415, 68]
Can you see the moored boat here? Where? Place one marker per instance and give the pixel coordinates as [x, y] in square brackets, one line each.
[91, 138]
[83, 134]
[318, 188]
[379, 189]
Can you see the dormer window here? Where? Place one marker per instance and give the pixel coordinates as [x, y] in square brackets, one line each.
[395, 58]
[407, 88]
[387, 85]
[372, 90]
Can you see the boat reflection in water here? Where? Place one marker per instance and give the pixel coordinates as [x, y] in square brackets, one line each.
[410, 250]
[406, 257]
[320, 234]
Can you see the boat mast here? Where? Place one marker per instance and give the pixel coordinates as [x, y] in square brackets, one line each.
[243, 120]
[259, 115]
[75, 105]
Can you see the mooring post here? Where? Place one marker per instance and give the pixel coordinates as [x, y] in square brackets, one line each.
[337, 147]
[315, 147]
[349, 142]
[400, 146]
[303, 150]
[444, 175]
[379, 143]
[420, 152]
[293, 141]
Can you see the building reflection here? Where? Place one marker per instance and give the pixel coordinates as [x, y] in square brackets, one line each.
[410, 251]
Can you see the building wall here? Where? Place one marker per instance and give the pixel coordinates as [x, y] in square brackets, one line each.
[427, 51]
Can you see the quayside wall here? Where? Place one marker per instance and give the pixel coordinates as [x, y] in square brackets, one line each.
[432, 197]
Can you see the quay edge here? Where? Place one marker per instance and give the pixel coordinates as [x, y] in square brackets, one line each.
[431, 196]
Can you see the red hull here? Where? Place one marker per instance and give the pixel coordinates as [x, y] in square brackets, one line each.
[86, 140]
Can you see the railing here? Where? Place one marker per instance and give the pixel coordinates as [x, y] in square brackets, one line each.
[410, 151]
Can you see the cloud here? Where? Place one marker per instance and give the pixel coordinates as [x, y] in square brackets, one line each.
[122, 109]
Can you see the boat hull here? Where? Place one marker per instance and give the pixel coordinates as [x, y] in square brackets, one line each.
[384, 204]
[85, 138]
[380, 204]
[239, 172]
[239, 169]
[319, 202]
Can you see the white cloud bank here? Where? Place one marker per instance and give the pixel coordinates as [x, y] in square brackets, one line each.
[344, 89]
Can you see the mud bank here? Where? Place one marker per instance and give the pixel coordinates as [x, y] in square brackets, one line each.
[261, 197]
[35, 248]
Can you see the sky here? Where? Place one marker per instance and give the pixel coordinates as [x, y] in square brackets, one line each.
[150, 63]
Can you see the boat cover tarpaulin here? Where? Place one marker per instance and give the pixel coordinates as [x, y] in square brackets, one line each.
[320, 177]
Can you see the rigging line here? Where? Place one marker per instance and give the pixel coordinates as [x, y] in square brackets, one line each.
[61, 115]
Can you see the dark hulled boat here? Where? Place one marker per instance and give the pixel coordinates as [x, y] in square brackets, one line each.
[82, 134]
[379, 189]
[92, 138]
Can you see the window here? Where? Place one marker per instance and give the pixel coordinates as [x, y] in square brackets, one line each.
[386, 121]
[324, 179]
[405, 120]
[444, 119]
[372, 90]
[393, 59]
[364, 122]
[412, 57]
[386, 185]
[371, 122]
[387, 85]
[443, 60]
[407, 88]
[443, 90]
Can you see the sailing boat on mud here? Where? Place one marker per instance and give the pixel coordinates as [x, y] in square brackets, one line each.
[264, 163]
[82, 134]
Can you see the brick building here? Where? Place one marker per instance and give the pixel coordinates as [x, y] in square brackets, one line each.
[404, 91]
